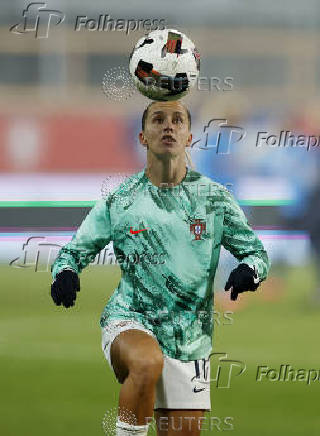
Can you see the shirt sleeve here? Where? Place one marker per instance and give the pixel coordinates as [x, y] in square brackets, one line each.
[92, 236]
[239, 238]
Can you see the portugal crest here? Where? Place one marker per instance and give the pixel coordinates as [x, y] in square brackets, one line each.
[197, 227]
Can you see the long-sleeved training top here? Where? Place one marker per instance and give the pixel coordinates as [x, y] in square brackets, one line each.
[169, 267]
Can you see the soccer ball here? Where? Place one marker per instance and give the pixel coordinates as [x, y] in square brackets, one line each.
[164, 64]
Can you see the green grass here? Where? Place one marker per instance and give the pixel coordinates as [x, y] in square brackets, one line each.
[55, 380]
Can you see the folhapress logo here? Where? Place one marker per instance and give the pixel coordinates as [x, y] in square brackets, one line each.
[221, 371]
[37, 18]
[224, 369]
[218, 134]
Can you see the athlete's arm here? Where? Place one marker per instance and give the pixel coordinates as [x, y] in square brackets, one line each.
[239, 238]
[92, 236]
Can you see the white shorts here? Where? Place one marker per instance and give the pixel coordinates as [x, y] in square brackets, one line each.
[182, 384]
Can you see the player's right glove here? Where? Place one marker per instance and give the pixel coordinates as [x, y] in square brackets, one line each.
[65, 287]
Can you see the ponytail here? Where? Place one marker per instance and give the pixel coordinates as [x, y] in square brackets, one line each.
[188, 160]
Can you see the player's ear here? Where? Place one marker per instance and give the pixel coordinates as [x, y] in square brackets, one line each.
[189, 140]
[143, 140]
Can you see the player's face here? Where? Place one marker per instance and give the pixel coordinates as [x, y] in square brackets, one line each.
[166, 129]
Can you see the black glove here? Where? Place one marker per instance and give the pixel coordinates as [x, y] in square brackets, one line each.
[65, 287]
[242, 279]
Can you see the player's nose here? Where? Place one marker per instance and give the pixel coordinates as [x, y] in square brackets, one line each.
[167, 125]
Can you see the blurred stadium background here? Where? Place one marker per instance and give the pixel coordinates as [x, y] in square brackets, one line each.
[63, 142]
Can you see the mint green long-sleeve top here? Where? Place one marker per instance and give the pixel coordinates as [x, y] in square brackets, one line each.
[168, 285]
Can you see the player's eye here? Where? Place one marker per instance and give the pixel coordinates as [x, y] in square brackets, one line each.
[158, 119]
[177, 120]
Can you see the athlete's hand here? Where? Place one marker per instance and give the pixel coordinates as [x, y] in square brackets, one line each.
[65, 287]
[242, 279]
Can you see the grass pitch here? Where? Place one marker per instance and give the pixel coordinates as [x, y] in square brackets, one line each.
[55, 380]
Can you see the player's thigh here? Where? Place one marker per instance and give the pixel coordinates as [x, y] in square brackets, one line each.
[172, 422]
[135, 350]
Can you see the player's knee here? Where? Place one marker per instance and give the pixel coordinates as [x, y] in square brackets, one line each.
[147, 369]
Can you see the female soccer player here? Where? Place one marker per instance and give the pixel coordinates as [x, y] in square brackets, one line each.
[157, 325]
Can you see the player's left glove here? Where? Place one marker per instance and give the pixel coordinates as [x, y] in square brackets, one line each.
[242, 279]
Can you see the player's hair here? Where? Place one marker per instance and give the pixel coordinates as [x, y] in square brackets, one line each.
[144, 119]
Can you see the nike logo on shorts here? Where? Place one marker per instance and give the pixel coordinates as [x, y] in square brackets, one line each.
[196, 390]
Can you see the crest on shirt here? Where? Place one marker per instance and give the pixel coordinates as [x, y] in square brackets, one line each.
[197, 227]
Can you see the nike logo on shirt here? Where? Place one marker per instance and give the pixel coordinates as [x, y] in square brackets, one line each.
[134, 232]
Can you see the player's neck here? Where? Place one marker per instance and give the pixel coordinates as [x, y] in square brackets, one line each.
[172, 173]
